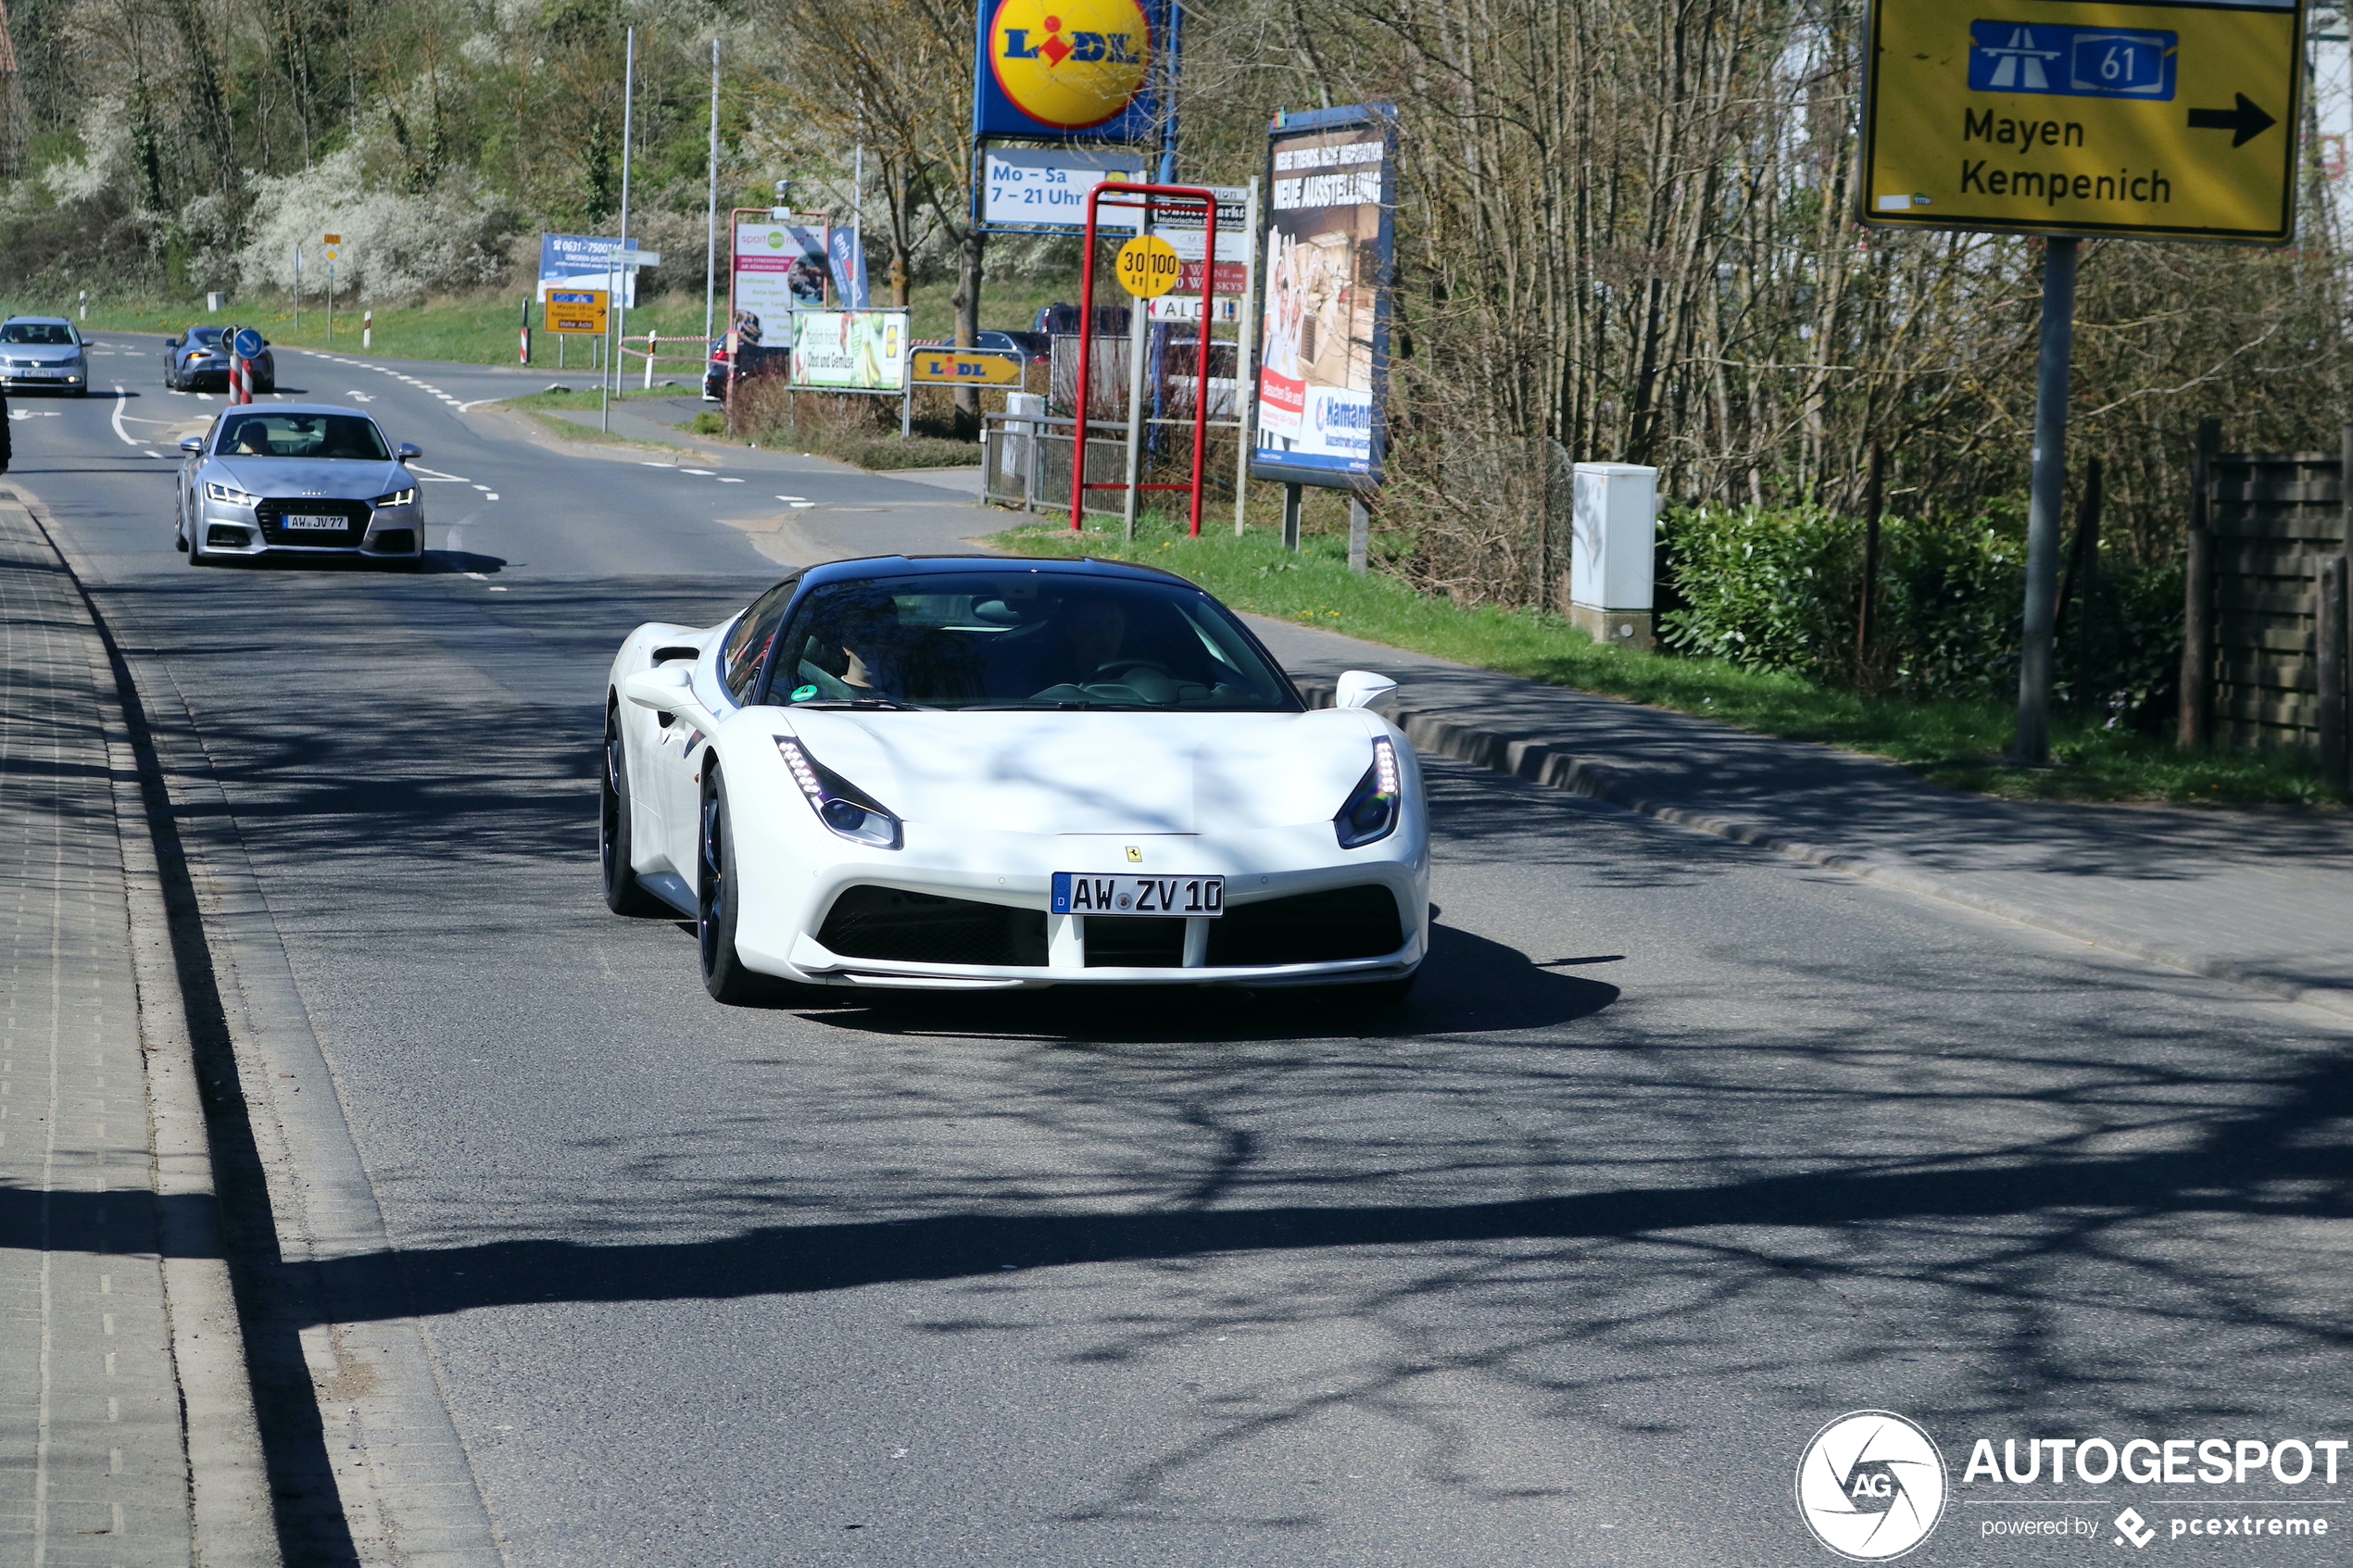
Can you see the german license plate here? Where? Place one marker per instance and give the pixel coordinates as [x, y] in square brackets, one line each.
[1076, 893]
[313, 522]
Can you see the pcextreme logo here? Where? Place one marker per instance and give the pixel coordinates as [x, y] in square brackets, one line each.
[1871, 1486]
[1070, 64]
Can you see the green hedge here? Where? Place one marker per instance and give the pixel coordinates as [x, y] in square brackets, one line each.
[1781, 589]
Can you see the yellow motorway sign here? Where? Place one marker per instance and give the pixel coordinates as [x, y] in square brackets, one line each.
[2051, 117]
[577, 310]
[965, 366]
[1149, 267]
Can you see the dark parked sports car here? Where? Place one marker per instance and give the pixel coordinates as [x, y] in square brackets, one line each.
[201, 359]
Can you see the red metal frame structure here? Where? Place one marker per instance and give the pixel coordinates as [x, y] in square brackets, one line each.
[1144, 196]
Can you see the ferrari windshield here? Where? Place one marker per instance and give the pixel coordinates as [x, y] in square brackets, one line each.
[302, 435]
[1023, 640]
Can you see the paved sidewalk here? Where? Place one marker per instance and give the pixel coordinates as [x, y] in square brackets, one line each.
[2261, 898]
[93, 1466]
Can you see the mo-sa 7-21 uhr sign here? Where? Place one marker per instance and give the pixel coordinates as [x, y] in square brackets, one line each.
[2163, 121]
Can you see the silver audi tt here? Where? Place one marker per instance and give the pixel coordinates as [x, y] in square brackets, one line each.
[298, 479]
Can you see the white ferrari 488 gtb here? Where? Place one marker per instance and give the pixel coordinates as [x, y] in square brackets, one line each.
[975, 772]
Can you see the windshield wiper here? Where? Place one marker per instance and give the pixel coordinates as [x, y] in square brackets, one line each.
[870, 703]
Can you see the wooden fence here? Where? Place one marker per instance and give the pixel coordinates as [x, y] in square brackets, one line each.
[2263, 662]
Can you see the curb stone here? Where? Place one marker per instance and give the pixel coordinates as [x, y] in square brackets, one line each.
[1555, 767]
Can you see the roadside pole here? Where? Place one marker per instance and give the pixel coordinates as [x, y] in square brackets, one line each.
[2032, 746]
[1138, 331]
[710, 241]
[621, 299]
[297, 290]
[1245, 344]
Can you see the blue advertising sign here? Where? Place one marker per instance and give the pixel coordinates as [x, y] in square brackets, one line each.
[584, 261]
[1070, 70]
[1323, 367]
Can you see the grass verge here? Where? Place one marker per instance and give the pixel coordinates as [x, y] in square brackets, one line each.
[1959, 744]
[542, 408]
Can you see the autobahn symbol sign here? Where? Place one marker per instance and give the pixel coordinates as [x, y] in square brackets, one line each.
[2162, 121]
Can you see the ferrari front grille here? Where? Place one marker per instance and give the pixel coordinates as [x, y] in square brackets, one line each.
[888, 923]
[1341, 923]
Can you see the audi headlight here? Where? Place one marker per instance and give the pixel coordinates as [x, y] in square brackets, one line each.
[227, 494]
[1372, 808]
[850, 812]
[407, 497]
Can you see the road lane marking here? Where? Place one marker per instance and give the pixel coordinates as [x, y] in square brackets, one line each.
[725, 479]
[477, 576]
[491, 495]
[119, 393]
[705, 473]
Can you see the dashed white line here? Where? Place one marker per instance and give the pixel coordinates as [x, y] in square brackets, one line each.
[705, 473]
[725, 479]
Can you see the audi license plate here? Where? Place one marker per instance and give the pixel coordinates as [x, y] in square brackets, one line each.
[1075, 893]
[313, 522]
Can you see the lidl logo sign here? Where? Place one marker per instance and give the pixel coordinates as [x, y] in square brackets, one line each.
[1066, 66]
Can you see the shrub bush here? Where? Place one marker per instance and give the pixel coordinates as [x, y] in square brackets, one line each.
[1781, 589]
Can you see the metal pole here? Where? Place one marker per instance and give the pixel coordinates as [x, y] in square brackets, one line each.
[1085, 336]
[1246, 344]
[1292, 501]
[1201, 377]
[1360, 533]
[710, 241]
[620, 296]
[297, 326]
[1139, 331]
[2032, 746]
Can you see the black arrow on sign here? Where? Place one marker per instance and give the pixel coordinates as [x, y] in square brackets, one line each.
[2245, 122]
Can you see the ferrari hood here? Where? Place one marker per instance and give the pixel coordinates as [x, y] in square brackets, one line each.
[339, 478]
[1098, 772]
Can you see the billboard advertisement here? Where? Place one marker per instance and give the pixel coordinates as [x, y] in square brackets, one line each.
[583, 262]
[850, 350]
[1068, 71]
[778, 268]
[1330, 246]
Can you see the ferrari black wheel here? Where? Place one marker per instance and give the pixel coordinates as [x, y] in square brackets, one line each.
[623, 894]
[717, 894]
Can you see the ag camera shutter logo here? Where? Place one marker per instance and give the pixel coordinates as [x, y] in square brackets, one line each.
[1871, 1486]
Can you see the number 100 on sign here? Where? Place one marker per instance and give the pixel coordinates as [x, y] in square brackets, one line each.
[1149, 267]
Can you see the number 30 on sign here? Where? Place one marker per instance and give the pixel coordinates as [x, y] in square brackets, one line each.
[1148, 267]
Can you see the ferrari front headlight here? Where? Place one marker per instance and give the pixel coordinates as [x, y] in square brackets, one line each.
[845, 809]
[229, 495]
[407, 497]
[1372, 807]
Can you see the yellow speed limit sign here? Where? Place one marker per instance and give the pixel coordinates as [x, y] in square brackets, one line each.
[1148, 267]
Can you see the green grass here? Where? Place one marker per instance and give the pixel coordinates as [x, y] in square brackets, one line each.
[1959, 744]
[481, 330]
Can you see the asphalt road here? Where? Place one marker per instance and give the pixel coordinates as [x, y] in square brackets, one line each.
[1680, 1151]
